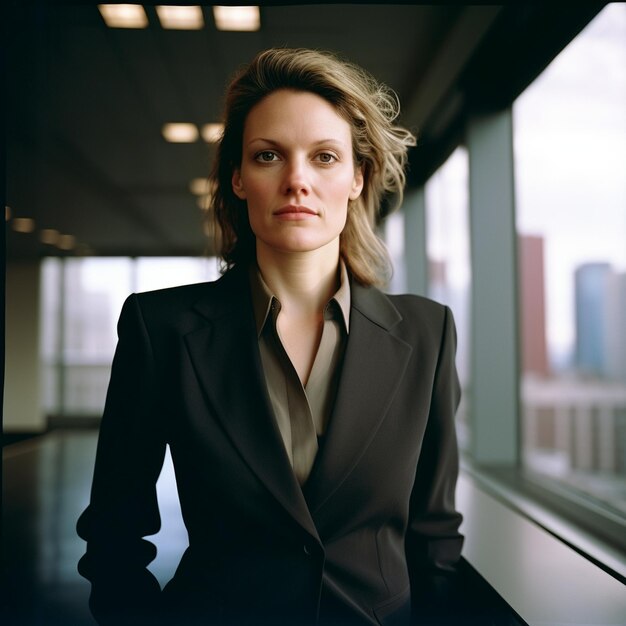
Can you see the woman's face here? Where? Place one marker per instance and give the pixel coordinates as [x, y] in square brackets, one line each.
[297, 172]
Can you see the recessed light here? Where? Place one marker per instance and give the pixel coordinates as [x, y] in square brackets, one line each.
[23, 225]
[247, 18]
[212, 133]
[180, 17]
[48, 235]
[200, 186]
[180, 132]
[124, 15]
[66, 242]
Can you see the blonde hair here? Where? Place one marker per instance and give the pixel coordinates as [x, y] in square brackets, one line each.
[379, 147]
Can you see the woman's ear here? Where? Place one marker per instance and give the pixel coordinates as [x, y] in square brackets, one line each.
[357, 183]
[238, 189]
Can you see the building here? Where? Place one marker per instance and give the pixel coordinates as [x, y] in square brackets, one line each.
[534, 351]
[592, 312]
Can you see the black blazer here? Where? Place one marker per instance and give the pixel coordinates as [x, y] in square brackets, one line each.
[375, 522]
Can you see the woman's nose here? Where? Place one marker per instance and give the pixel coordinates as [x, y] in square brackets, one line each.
[296, 179]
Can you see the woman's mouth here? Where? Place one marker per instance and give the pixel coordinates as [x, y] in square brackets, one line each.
[295, 212]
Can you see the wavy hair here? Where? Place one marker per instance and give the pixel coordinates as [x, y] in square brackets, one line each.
[379, 147]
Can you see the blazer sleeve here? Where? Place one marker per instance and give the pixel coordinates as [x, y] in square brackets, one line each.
[433, 541]
[123, 507]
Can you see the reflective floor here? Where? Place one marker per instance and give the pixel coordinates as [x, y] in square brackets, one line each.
[46, 487]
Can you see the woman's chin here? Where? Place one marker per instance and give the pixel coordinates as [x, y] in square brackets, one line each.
[301, 245]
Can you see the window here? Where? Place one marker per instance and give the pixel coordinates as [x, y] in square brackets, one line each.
[81, 303]
[449, 269]
[393, 235]
[570, 169]
[160, 272]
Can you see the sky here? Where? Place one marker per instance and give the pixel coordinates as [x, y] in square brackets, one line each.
[570, 163]
[569, 132]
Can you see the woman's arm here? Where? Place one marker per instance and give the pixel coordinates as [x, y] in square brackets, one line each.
[123, 507]
[433, 542]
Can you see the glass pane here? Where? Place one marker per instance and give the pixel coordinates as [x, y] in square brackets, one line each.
[570, 169]
[393, 235]
[77, 353]
[161, 272]
[449, 265]
[50, 335]
[94, 291]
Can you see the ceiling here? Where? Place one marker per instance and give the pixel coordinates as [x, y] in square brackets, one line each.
[86, 105]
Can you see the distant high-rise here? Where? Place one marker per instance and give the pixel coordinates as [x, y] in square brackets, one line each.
[592, 294]
[532, 305]
[616, 327]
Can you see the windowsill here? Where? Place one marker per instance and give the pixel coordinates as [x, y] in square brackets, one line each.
[512, 542]
[522, 499]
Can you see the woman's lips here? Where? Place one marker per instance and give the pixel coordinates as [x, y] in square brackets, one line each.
[293, 212]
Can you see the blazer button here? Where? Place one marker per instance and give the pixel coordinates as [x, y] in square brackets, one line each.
[307, 550]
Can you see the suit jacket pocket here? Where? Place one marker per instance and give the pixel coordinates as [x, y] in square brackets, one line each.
[396, 611]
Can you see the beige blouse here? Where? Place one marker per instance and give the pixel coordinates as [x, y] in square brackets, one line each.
[302, 412]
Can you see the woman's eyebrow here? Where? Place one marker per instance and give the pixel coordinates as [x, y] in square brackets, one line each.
[318, 142]
[330, 140]
[264, 140]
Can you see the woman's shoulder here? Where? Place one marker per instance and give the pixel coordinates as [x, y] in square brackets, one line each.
[422, 315]
[409, 304]
[171, 298]
[177, 293]
[415, 301]
[189, 293]
[173, 302]
[402, 311]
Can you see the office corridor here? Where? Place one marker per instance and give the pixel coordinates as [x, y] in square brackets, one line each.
[46, 487]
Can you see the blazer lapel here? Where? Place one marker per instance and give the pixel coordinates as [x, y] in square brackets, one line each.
[226, 359]
[374, 364]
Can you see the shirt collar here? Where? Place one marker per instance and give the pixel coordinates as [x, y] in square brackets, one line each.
[262, 297]
[342, 297]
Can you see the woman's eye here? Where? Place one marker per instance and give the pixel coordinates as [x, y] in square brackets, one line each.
[267, 156]
[326, 157]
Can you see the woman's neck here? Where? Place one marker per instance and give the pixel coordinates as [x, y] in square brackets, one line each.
[303, 282]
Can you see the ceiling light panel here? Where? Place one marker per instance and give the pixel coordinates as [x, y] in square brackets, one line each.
[180, 132]
[66, 242]
[123, 15]
[200, 186]
[23, 225]
[212, 133]
[49, 235]
[247, 18]
[180, 17]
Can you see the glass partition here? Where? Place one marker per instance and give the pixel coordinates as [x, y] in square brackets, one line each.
[81, 302]
[449, 265]
[570, 169]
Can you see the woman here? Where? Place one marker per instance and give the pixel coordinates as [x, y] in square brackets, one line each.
[309, 416]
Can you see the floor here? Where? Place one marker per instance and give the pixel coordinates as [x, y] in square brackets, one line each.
[46, 487]
[46, 483]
